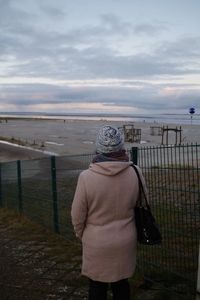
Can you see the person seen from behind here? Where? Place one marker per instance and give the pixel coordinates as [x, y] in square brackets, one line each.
[103, 217]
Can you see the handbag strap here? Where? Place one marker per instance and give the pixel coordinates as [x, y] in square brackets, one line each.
[141, 188]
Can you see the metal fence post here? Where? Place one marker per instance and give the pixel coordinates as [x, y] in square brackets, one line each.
[19, 181]
[1, 199]
[54, 193]
[198, 278]
[134, 155]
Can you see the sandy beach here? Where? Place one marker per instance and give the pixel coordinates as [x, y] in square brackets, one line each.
[40, 137]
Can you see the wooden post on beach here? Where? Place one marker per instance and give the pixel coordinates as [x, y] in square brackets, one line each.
[180, 135]
[176, 136]
[54, 194]
[167, 138]
[19, 181]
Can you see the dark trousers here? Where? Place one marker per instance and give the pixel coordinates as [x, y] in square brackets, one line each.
[120, 290]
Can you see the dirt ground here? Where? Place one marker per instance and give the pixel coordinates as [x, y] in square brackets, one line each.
[36, 264]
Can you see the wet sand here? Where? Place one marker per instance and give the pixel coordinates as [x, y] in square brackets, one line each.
[73, 137]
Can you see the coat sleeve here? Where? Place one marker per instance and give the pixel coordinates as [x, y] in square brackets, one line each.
[79, 208]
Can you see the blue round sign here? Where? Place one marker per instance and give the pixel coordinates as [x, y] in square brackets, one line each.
[192, 110]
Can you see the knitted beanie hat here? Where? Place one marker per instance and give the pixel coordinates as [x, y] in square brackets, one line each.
[109, 139]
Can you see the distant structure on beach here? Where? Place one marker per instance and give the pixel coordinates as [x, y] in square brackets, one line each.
[131, 134]
[164, 132]
[156, 130]
[165, 135]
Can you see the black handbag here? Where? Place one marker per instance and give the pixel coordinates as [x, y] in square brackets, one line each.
[148, 232]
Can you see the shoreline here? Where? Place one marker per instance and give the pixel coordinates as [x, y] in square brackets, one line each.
[176, 119]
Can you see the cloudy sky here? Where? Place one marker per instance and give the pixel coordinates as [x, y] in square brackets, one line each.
[112, 56]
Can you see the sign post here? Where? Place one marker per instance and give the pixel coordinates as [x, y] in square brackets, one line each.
[192, 112]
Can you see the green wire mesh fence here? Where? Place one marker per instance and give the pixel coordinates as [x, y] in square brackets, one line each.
[43, 190]
[172, 175]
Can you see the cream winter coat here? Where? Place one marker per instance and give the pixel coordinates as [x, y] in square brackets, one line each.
[103, 218]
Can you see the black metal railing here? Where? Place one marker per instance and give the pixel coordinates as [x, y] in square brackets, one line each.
[43, 190]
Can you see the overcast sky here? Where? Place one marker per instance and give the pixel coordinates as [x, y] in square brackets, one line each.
[113, 56]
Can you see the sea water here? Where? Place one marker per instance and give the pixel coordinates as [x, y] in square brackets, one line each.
[149, 118]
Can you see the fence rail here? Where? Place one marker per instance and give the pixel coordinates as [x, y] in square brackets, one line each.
[43, 190]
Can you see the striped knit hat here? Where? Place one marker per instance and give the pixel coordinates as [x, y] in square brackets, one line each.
[109, 139]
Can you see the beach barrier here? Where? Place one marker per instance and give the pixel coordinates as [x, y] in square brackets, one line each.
[43, 190]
